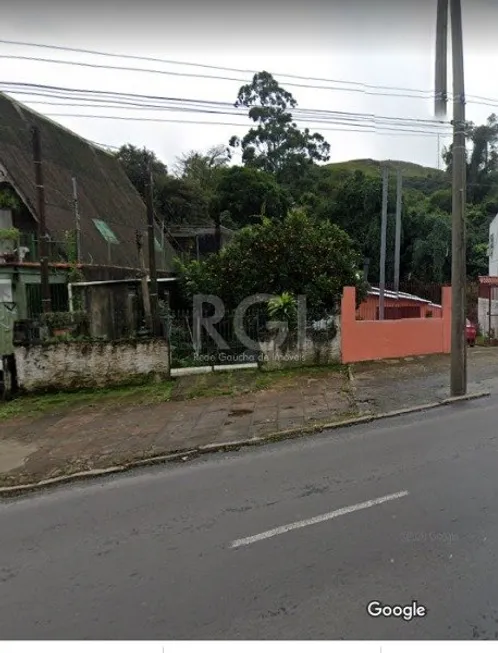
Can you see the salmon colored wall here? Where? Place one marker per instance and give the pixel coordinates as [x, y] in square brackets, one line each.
[364, 340]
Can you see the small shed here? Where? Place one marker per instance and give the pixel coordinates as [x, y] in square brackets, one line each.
[397, 306]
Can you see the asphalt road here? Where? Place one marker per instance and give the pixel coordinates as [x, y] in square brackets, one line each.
[289, 541]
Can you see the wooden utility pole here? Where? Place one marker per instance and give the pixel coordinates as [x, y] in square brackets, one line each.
[42, 225]
[397, 239]
[154, 300]
[383, 240]
[144, 281]
[458, 263]
[77, 220]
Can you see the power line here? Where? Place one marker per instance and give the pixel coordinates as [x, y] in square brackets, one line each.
[363, 89]
[396, 130]
[363, 86]
[114, 97]
[201, 65]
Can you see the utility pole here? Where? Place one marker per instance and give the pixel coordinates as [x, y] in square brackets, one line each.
[217, 233]
[383, 240]
[441, 96]
[458, 374]
[458, 263]
[153, 295]
[144, 282]
[42, 225]
[77, 220]
[397, 240]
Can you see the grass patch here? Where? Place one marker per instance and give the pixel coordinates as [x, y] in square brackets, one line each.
[215, 384]
[29, 405]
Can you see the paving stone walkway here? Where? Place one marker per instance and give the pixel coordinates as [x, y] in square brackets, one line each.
[96, 438]
[32, 449]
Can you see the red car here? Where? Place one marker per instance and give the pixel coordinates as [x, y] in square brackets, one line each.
[470, 333]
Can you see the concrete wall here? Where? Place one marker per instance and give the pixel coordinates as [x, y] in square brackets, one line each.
[365, 340]
[314, 350]
[71, 365]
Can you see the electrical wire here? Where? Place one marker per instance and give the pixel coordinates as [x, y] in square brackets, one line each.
[135, 99]
[362, 86]
[241, 71]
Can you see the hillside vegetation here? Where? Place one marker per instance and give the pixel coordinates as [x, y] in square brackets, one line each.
[285, 167]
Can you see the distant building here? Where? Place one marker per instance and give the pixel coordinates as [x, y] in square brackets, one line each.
[397, 306]
[493, 248]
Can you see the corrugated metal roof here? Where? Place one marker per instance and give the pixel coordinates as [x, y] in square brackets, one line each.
[390, 294]
[488, 281]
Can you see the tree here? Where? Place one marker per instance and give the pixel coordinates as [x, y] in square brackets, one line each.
[482, 158]
[180, 202]
[203, 169]
[247, 194]
[135, 162]
[298, 256]
[276, 145]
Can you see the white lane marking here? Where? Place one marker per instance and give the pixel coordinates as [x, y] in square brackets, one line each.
[245, 541]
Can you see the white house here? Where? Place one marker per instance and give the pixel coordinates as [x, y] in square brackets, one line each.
[488, 303]
[493, 248]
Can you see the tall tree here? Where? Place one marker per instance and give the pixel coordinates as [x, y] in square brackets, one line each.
[203, 168]
[276, 144]
[135, 161]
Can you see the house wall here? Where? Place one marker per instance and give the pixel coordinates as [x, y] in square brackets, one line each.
[493, 248]
[73, 365]
[364, 340]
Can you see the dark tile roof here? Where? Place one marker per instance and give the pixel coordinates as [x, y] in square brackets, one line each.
[104, 190]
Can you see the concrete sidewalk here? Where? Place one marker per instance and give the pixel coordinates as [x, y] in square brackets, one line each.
[43, 447]
[37, 448]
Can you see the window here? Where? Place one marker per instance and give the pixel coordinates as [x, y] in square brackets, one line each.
[158, 246]
[106, 232]
[491, 247]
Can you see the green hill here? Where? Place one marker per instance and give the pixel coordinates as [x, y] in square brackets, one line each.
[415, 176]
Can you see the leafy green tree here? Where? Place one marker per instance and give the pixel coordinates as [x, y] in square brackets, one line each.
[203, 169]
[298, 256]
[135, 161]
[275, 144]
[247, 194]
[180, 202]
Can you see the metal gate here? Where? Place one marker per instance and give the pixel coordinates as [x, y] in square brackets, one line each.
[8, 315]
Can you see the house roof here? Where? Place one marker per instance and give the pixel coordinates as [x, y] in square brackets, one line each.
[389, 294]
[186, 231]
[104, 190]
[488, 281]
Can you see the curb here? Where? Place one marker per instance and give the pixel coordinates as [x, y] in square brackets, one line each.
[189, 454]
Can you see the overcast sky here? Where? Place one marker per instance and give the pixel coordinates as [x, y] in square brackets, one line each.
[390, 45]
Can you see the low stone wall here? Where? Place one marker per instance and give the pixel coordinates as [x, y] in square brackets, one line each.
[318, 348]
[72, 365]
